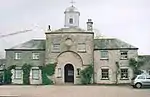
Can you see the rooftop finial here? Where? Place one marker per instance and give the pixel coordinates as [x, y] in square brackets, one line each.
[72, 2]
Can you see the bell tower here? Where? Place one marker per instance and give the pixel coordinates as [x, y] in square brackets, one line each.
[71, 16]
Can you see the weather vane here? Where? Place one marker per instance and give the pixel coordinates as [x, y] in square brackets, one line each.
[72, 2]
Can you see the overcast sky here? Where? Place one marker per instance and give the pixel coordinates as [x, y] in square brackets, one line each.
[128, 20]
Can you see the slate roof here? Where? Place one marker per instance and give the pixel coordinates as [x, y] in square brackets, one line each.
[34, 44]
[99, 44]
[111, 43]
[70, 29]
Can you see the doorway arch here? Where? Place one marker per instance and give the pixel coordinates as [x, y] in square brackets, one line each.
[69, 73]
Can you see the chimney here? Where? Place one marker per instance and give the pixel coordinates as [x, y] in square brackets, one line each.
[89, 25]
[49, 28]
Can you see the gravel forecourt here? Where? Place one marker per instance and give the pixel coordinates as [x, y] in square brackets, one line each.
[73, 91]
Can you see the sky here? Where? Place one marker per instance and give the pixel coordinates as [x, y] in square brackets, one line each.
[128, 20]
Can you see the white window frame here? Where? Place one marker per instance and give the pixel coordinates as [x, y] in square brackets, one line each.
[18, 73]
[59, 72]
[38, 74]
[106, 56]
[124, 56]
[18, 55]
[35, 56]
[106, 74]
[125, 75]
[81, 47]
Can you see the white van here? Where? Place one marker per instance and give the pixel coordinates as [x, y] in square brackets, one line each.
[140, 80]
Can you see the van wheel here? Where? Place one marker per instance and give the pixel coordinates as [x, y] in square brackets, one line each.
[138, 85]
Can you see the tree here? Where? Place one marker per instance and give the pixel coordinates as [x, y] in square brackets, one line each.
[135, 65]
[117, 71]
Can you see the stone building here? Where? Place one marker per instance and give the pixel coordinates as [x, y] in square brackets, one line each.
[73, 49]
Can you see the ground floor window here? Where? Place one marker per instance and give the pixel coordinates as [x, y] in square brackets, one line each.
[78, 71]
[18, 74]
[105, 74]
[124, 73]
[35, 74]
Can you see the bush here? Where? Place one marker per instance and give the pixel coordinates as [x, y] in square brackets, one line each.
[8, 74]
[86, 75]
[26, 74]
[47, 70]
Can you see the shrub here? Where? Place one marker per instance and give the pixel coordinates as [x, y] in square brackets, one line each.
[86, 75]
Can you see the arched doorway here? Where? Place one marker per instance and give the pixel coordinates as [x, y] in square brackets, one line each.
[69, 73]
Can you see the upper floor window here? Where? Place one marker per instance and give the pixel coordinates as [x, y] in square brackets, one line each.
[124, 73]
[123, 55]
[104, 54]
[35, 56]
[56, 47]
[105, 73]
[81, 47]
[71, 20]
[17, 55]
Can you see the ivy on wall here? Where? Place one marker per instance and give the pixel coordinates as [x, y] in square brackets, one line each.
[26, 74]
[47, 70]
[8, 74]
[86, 75]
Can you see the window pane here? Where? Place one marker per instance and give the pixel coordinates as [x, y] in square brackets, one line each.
[59, 72]
[104, 54]
[17, 55]
[124, 73]
[71, 20]
[18, 73]
[56, 47]
[81, 47]
[35, 55]
[124, 54]
[35, 74]
[105, 74]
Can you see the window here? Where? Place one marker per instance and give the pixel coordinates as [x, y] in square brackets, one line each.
[56, 48]
[59, 72]
[104, 54]
[141, 77]
[81, 47]
[123, 55]
[105, 74]
[71, 20]
[149, 72]
[35, 74]
[17, 56]
[78, 71]
[124, 73]
[18, 74]
[35, 56]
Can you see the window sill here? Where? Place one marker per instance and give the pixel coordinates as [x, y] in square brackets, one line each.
[17, 78]
[55, 51]
[35, 78]
[35, 59]
[81, 51]
[104, 59]
[105, 79]
[124, 59]
[124, 79]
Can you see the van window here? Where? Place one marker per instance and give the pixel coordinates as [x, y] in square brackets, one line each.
[141, 77]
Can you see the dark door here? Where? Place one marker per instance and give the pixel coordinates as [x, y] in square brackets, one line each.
[69, 73]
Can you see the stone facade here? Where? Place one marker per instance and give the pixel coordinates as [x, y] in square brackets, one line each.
[72, 49]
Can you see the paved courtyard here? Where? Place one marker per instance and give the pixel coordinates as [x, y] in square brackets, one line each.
[73, 91]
